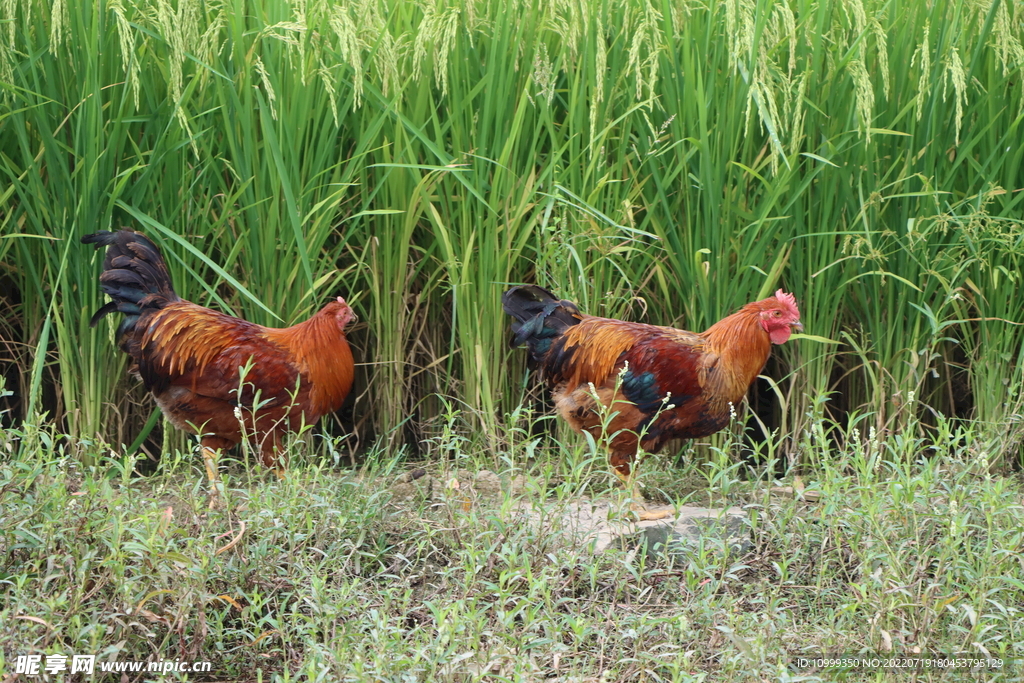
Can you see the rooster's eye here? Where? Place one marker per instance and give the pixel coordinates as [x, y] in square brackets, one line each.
[778, 314]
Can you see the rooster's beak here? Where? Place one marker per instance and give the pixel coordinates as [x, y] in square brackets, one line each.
[797, 326]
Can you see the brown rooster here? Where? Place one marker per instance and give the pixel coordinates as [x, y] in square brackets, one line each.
[191, 357]
[655, 383]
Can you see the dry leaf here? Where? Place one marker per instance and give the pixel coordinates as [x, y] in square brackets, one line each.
[34, 619]
[234, 541]
[230, 600]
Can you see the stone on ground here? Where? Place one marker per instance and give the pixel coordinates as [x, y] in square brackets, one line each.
[677, 536]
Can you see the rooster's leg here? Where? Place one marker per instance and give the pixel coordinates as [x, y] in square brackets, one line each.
[629, 483]
[273, 456]
[211, 447]
[210, 460]
[625, 470]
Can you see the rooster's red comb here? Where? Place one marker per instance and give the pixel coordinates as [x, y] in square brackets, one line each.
[789, 301]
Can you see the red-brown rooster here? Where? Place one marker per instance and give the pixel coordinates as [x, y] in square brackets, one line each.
[656, 383]
[191, 357]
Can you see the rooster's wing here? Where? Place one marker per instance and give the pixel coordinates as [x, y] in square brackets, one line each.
[189, 346]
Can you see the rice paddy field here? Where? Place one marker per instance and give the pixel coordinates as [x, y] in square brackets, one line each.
[664, 162]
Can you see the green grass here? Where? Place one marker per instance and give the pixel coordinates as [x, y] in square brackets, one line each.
[334, 577]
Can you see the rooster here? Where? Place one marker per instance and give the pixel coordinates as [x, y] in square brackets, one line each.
[638, 386]
[191, 358]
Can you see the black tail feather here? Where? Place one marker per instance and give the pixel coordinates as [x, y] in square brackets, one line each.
[540, 317]
[134, 276]
[108, 307]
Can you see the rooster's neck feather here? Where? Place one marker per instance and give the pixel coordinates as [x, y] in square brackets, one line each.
[743, 347]
[318, 348]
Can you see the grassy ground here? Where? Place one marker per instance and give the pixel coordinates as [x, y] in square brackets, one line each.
[328, 575]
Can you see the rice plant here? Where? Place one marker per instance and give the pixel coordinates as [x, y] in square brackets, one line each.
[662, 161]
